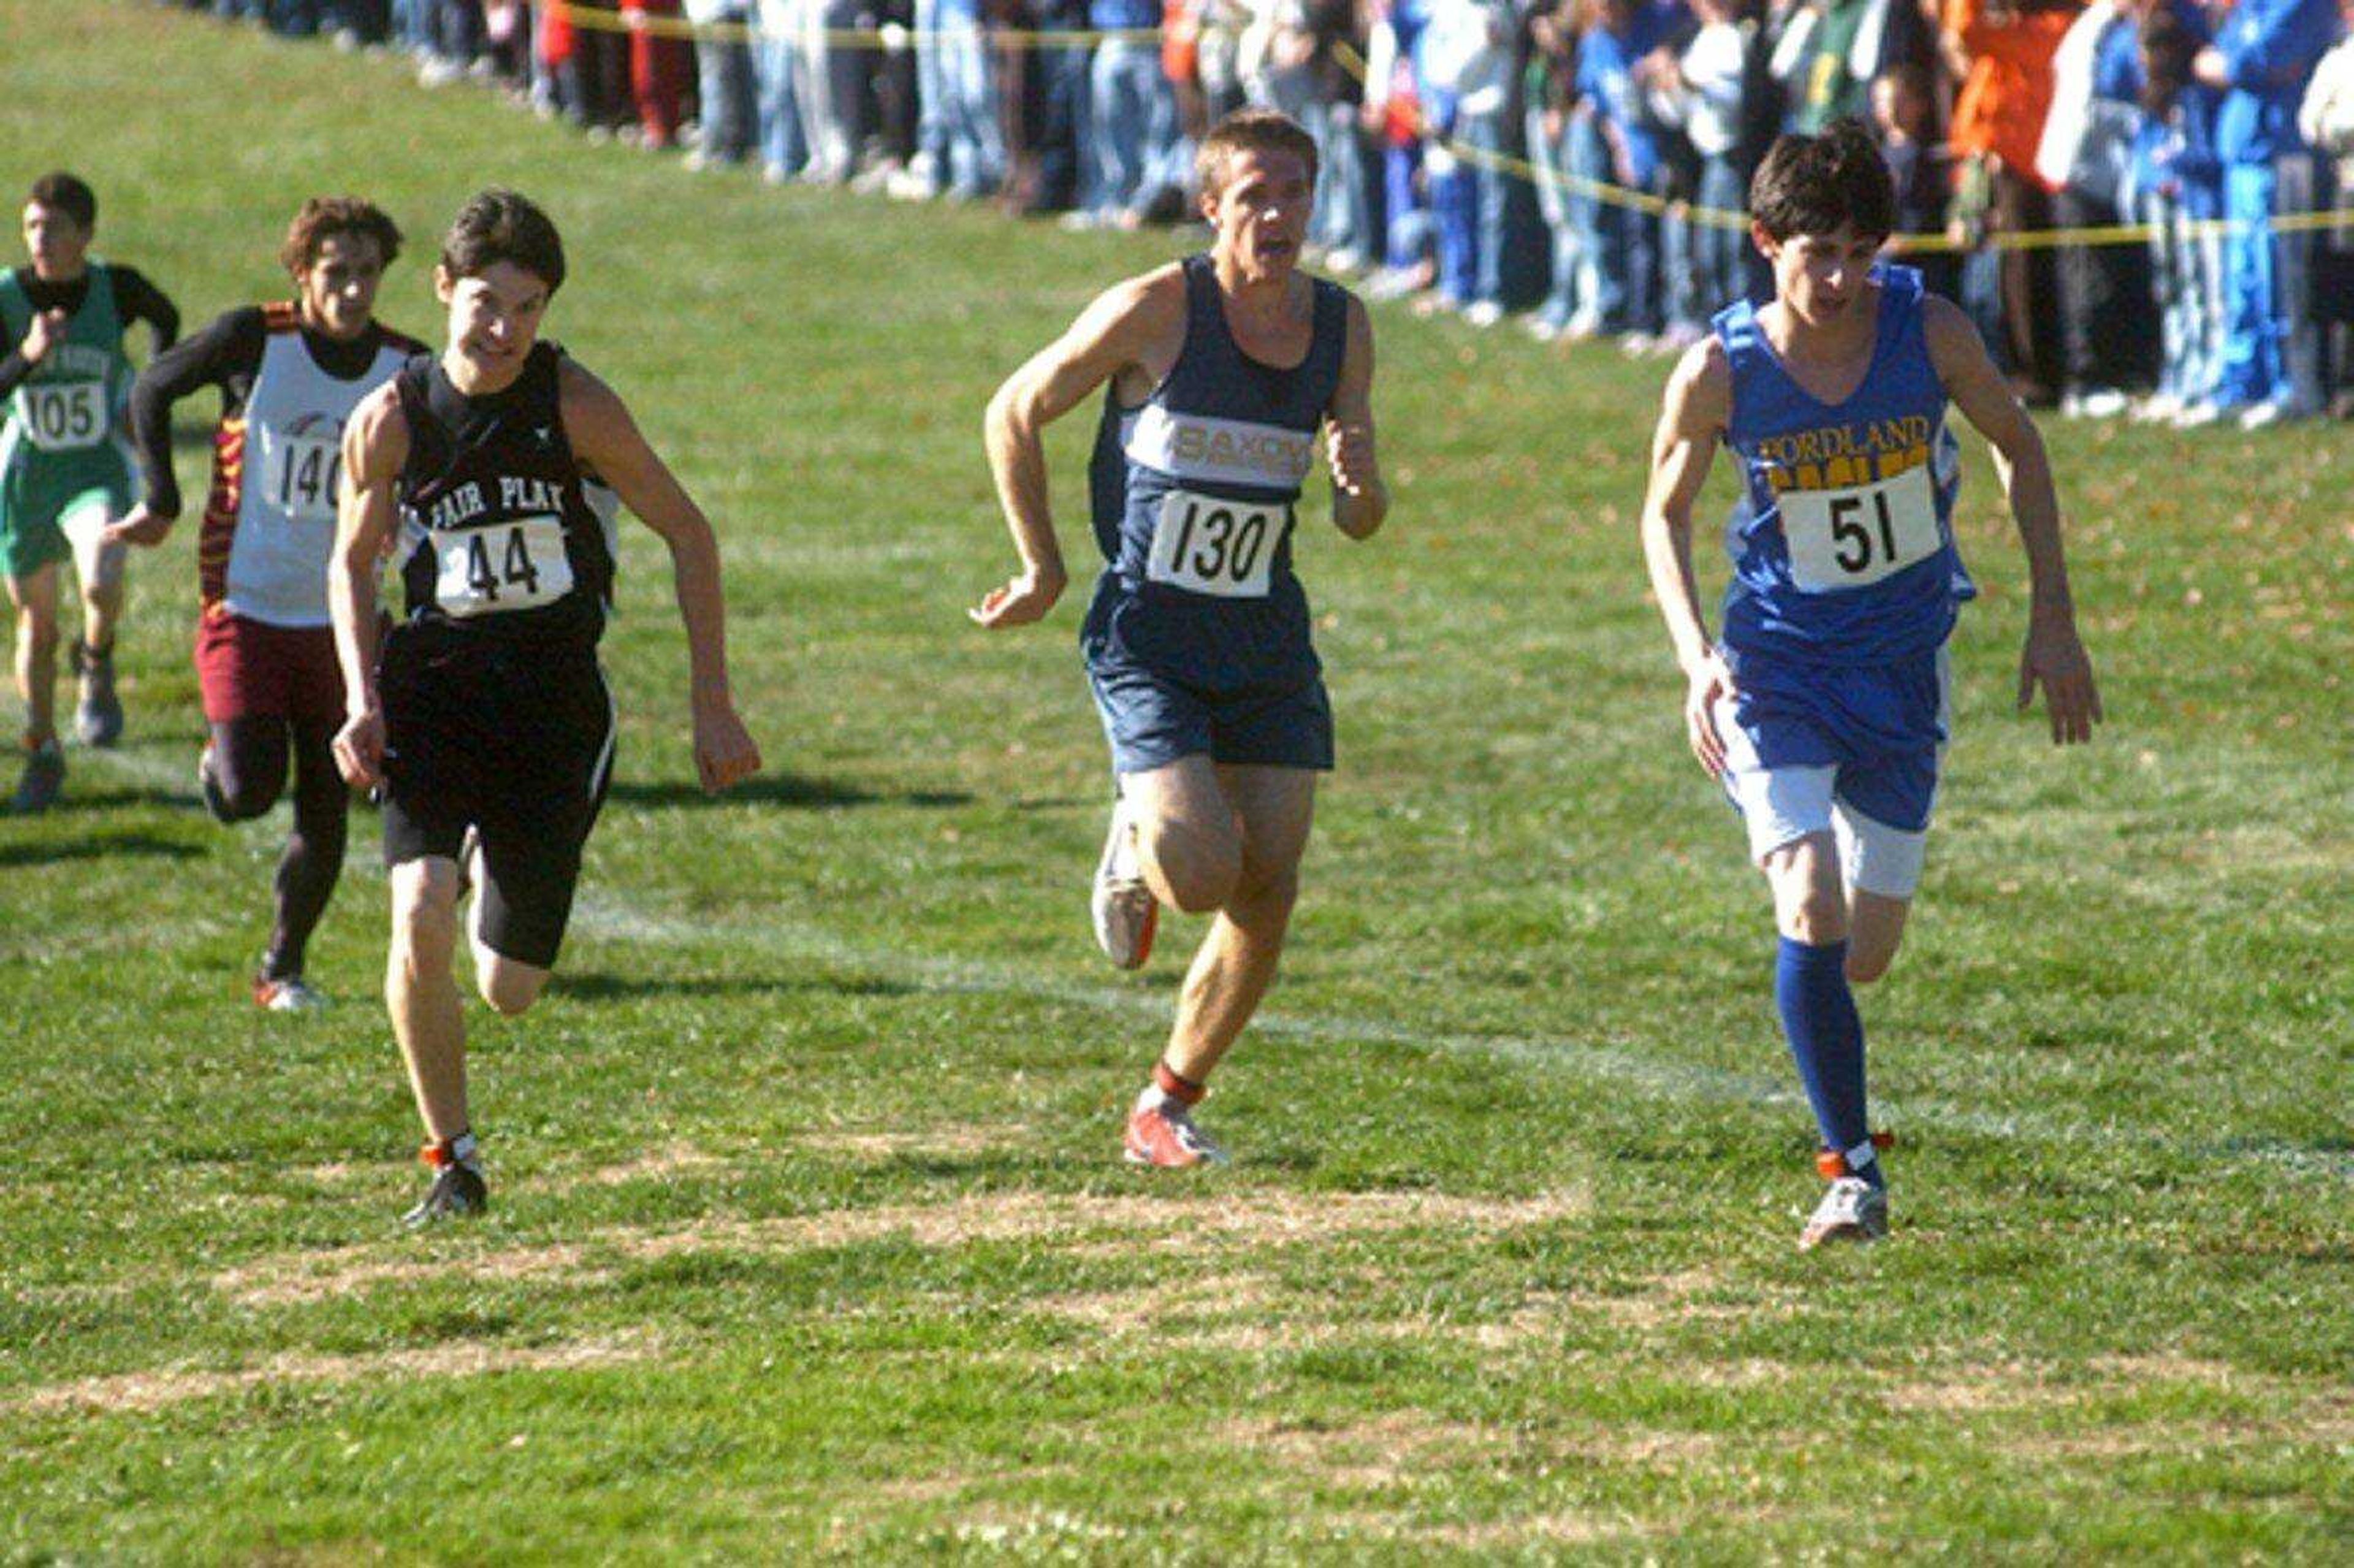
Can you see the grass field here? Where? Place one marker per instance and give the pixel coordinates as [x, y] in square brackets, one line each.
[810, 1235]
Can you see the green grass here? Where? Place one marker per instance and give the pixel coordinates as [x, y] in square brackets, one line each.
[810, 1239]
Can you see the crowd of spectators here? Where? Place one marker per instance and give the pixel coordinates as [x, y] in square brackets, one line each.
[1579, 164]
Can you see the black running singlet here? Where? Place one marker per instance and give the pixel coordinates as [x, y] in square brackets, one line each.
[497, 535]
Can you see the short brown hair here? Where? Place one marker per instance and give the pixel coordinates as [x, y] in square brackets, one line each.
[1816, 185]
[325, 215]
[69, 195]
[498, 226]
[1250, 131]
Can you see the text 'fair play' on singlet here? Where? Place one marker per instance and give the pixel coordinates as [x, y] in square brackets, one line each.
[499, 536]
[1194, 494]
[270, 524]
[1842, 541]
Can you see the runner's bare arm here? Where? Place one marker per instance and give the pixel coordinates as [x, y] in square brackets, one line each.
[1692, 417]
[376, 444]
[1360, 499]
[2054, 657]
[606, 439]
[1134, 324]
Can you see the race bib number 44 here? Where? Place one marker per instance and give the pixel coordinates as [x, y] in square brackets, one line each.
[518, 564]
[1207, 544]
[1852, 538]
[65, 416]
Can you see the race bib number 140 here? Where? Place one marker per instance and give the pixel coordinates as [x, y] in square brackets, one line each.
[1852, 538]
[519, 564]
[1207, 544]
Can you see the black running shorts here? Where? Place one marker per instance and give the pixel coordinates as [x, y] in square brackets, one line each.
[515, 741]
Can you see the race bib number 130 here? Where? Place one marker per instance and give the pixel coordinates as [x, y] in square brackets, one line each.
[519, 564]
[1207, 544]
[1852, 538]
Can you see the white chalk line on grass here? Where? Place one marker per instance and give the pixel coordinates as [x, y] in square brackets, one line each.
[601, 913]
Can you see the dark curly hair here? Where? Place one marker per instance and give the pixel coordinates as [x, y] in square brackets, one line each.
[325, 215]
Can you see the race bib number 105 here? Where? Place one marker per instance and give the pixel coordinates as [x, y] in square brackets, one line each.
[519, 564]
[1852, 538]
[65, 416]
[1206, 544]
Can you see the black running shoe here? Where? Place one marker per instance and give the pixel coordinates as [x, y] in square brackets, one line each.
[457, 1190]
[98, 716]
[43, 778]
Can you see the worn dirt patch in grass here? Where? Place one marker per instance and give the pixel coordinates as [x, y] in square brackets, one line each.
[1114, 1224]
[159, 1388]
[665, 1164]
[955, 1140]
[1399, 1450]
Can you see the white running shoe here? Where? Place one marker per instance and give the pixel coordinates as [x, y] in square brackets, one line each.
[292, 994]
[1852, 1209]
[1124, 909]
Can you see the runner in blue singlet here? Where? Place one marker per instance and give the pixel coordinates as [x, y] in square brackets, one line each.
[1821, 708]
[1224, 371]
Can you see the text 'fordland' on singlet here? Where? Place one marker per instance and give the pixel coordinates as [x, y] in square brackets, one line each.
[498, 534]
[1842, 541]
[1194, 494]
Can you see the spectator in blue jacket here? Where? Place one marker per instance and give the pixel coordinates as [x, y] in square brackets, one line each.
[2261, 60]
[1612, 142]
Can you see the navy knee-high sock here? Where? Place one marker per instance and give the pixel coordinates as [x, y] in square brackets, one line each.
[1827, 1042]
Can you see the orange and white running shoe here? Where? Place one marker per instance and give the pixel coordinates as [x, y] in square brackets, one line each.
[1162, 1134]
[1852, 1209]
[1124, 909]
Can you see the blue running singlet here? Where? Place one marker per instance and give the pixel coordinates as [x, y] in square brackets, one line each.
[1843, 543]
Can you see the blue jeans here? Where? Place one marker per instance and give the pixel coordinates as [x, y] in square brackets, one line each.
[1623, 243]
[1408, 215]
[1342, 222]
[2187, 273]
[973, 149]
[723, 75]
[1133, 122]
[1718, 275]
[1483, 135]
[2271, 344]
[782, 146]
[1568, 267]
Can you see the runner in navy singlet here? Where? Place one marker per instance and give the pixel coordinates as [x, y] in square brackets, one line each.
[485, 720]
[1822, 709]
[1224, 374]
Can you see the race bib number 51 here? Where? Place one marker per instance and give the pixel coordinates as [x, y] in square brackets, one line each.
[1852, 538]
[1206, 544]
[519, 564]
[65, 416]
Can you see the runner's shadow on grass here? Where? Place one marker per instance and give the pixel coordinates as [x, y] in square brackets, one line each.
[79, 800]
[139, 845]
[798, 790]
[596, 985]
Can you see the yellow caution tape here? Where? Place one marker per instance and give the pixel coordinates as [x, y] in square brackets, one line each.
[1909, 244]
[606, 19]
